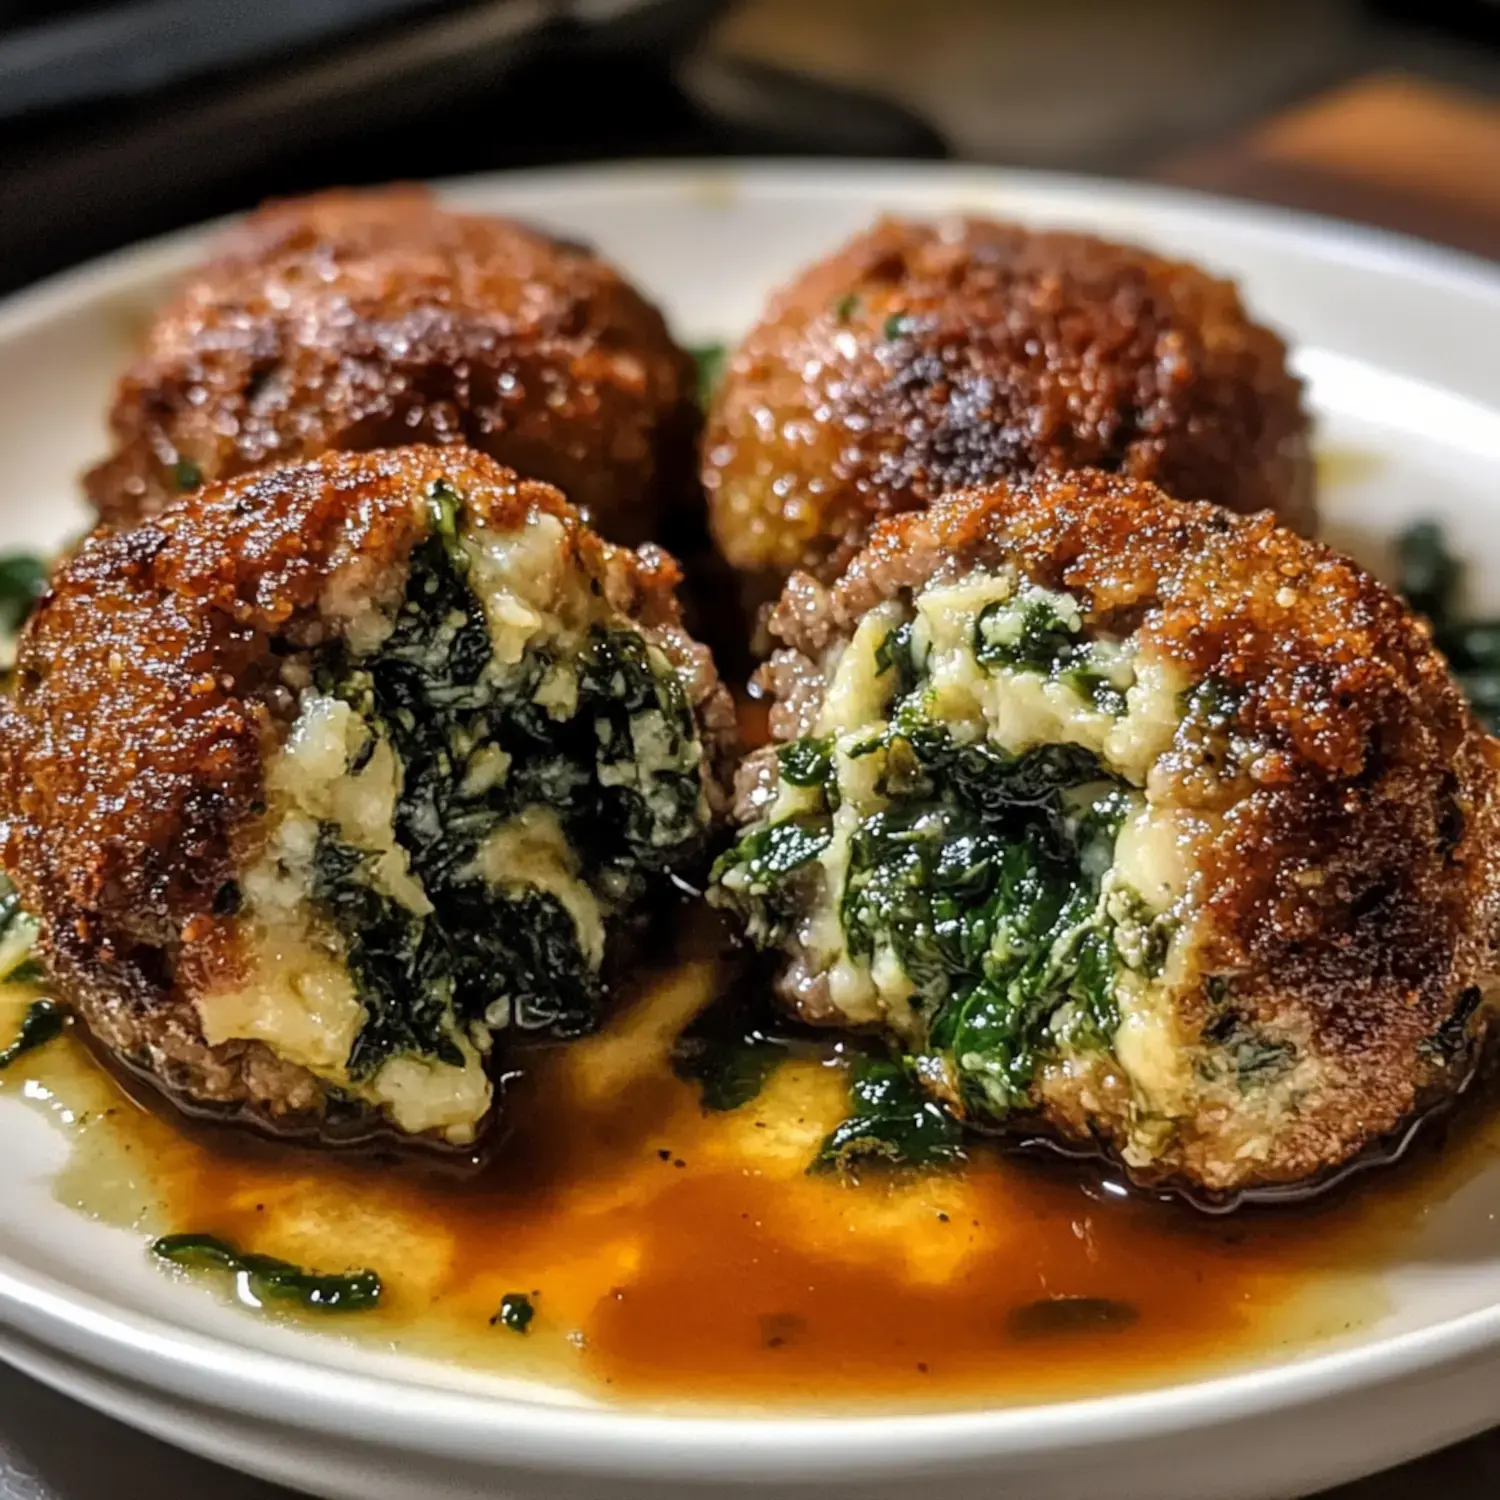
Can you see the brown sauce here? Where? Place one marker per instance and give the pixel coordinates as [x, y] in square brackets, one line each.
[675, 1255]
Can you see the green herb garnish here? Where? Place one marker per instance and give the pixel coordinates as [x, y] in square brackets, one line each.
[263, 1278]
[43, 1022]
[846, 306]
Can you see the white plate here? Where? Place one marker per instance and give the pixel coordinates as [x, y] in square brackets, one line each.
[1397, 342]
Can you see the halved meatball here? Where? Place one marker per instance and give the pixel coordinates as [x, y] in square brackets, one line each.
[922, 358]
[370, 320]
[1128, 821]
[330, 782]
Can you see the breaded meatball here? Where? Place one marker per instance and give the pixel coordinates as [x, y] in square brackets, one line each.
[331, 781]
[350, 321]
[923, 358]
[1130, 822]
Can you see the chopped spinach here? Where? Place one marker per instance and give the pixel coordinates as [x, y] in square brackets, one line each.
[1213, 702]
[516, 1313]
[23, 580]
[895, 653]
[1431, 579]
[752, 876]
[710, 360]
[640, 714]
[1029, 634]
[263, 1278]
[731, 1049]
[892, 1123]
[1033, 632]
[43, 1022]
[1089, 682]
[604, 742]
[401, 971]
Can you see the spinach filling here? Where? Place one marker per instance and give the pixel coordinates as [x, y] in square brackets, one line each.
[977, 873]
[603, 740]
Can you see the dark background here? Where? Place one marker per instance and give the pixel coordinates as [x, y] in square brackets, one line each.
[126, 119]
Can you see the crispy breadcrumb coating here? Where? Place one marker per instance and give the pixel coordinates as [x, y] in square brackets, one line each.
[352, 321]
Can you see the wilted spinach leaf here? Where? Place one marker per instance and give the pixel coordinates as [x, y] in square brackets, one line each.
[266, 1279]
[43, 1022]
[1431, 578]
[731, 1049]
[516, 1313]
[892, 1123]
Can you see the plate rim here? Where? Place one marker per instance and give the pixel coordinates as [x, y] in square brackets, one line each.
[393, 1412]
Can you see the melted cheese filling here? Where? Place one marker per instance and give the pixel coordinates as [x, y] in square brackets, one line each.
[299, 999]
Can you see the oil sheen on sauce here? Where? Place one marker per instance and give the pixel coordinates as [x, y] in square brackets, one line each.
[679, 1256]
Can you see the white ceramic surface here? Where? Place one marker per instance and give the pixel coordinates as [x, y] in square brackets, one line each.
[1397, 342]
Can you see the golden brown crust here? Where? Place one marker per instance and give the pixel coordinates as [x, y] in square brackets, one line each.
[377, 319]
[923, 358]
[1350, 893]
[149, 694]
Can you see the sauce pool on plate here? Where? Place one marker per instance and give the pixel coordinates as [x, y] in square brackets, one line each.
[627, 1241]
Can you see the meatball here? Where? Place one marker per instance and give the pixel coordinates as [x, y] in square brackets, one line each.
[924, 358]
[331, 782]
[1131, 823]
[369, 320]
